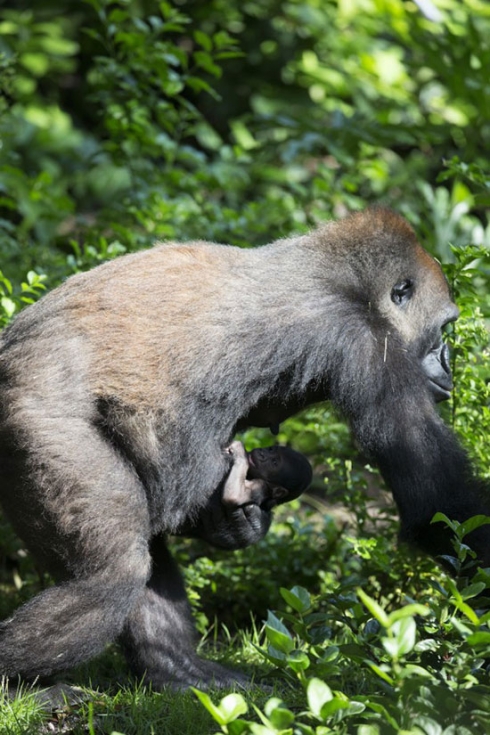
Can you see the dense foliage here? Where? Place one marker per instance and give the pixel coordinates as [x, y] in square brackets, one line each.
[126, 122]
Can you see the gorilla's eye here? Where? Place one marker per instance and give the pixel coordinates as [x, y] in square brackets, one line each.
[402, 292]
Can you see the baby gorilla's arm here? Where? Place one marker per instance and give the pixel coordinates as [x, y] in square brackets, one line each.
[237, 490]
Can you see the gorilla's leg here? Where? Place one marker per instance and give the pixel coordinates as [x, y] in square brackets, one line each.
[159, 636]
[67, 624]
[82, 512]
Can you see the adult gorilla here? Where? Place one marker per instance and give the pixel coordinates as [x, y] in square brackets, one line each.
[121, 389]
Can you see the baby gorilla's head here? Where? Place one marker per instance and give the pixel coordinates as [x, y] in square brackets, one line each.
[282, 468]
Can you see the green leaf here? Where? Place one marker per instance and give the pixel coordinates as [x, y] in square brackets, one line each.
[356, 708]
[442, 518]
[278, 714]
[408, 611]
[480, 638]
[278, 635]
[473, 590]
[8, 306]
[297, 597]
[405, 632]
[203, 40]
[428, 725]
[223, 40]
[415, 670]
[331, 653]
[373, 607]
[237, 727]
[207, 703]
[335, 705]
[457, 601]
[379, 708]
[472, 523]
[205, 61]
[298, 661]
[318, 694]
[232, 706]
[5, 283]
[379, 672]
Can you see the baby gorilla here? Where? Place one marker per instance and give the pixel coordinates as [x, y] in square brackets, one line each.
[238, 513]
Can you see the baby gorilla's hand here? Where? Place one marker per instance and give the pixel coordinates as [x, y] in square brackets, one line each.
[237, 451]
[244, 525]
[234, 485]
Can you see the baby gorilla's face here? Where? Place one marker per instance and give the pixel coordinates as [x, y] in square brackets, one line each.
[281, 467]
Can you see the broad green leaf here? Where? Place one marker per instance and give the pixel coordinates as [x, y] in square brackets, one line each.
[405, 632]
[203, 40]
[380, 709]
[237, 727]
[467, 611]
[274, 622]
[318, 694]
[473, 590]
[481, 638]
[442, 518]
[428, 726]
[278, 635]
[8, 306]
[232, 706]
[229, 708]
[330, 708]
[472, 523]
[355, 708]
[298, 661]
[368, 730]
[379, 671]
[279, 715]
[298, 598]
[414, 670]
[207, 703]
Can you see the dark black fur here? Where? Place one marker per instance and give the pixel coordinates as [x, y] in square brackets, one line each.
[120, 390]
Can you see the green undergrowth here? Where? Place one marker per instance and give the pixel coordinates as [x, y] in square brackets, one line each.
[387, 643]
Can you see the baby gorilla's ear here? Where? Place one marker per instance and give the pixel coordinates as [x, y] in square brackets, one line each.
[274, 495]
[279, 494]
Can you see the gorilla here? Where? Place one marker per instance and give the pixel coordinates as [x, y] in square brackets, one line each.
[239, 512]
[121, 389]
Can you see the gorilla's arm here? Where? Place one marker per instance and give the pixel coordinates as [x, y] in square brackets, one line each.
[432, 473]
[420, 458]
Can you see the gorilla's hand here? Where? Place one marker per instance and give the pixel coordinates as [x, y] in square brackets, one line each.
[229, 528]
[238, 527]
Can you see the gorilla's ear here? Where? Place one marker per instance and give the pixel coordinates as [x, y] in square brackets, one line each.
[279, 493]
[402, 292]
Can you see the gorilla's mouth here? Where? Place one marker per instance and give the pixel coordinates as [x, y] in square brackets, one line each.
[436, 365]
[440, 390]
